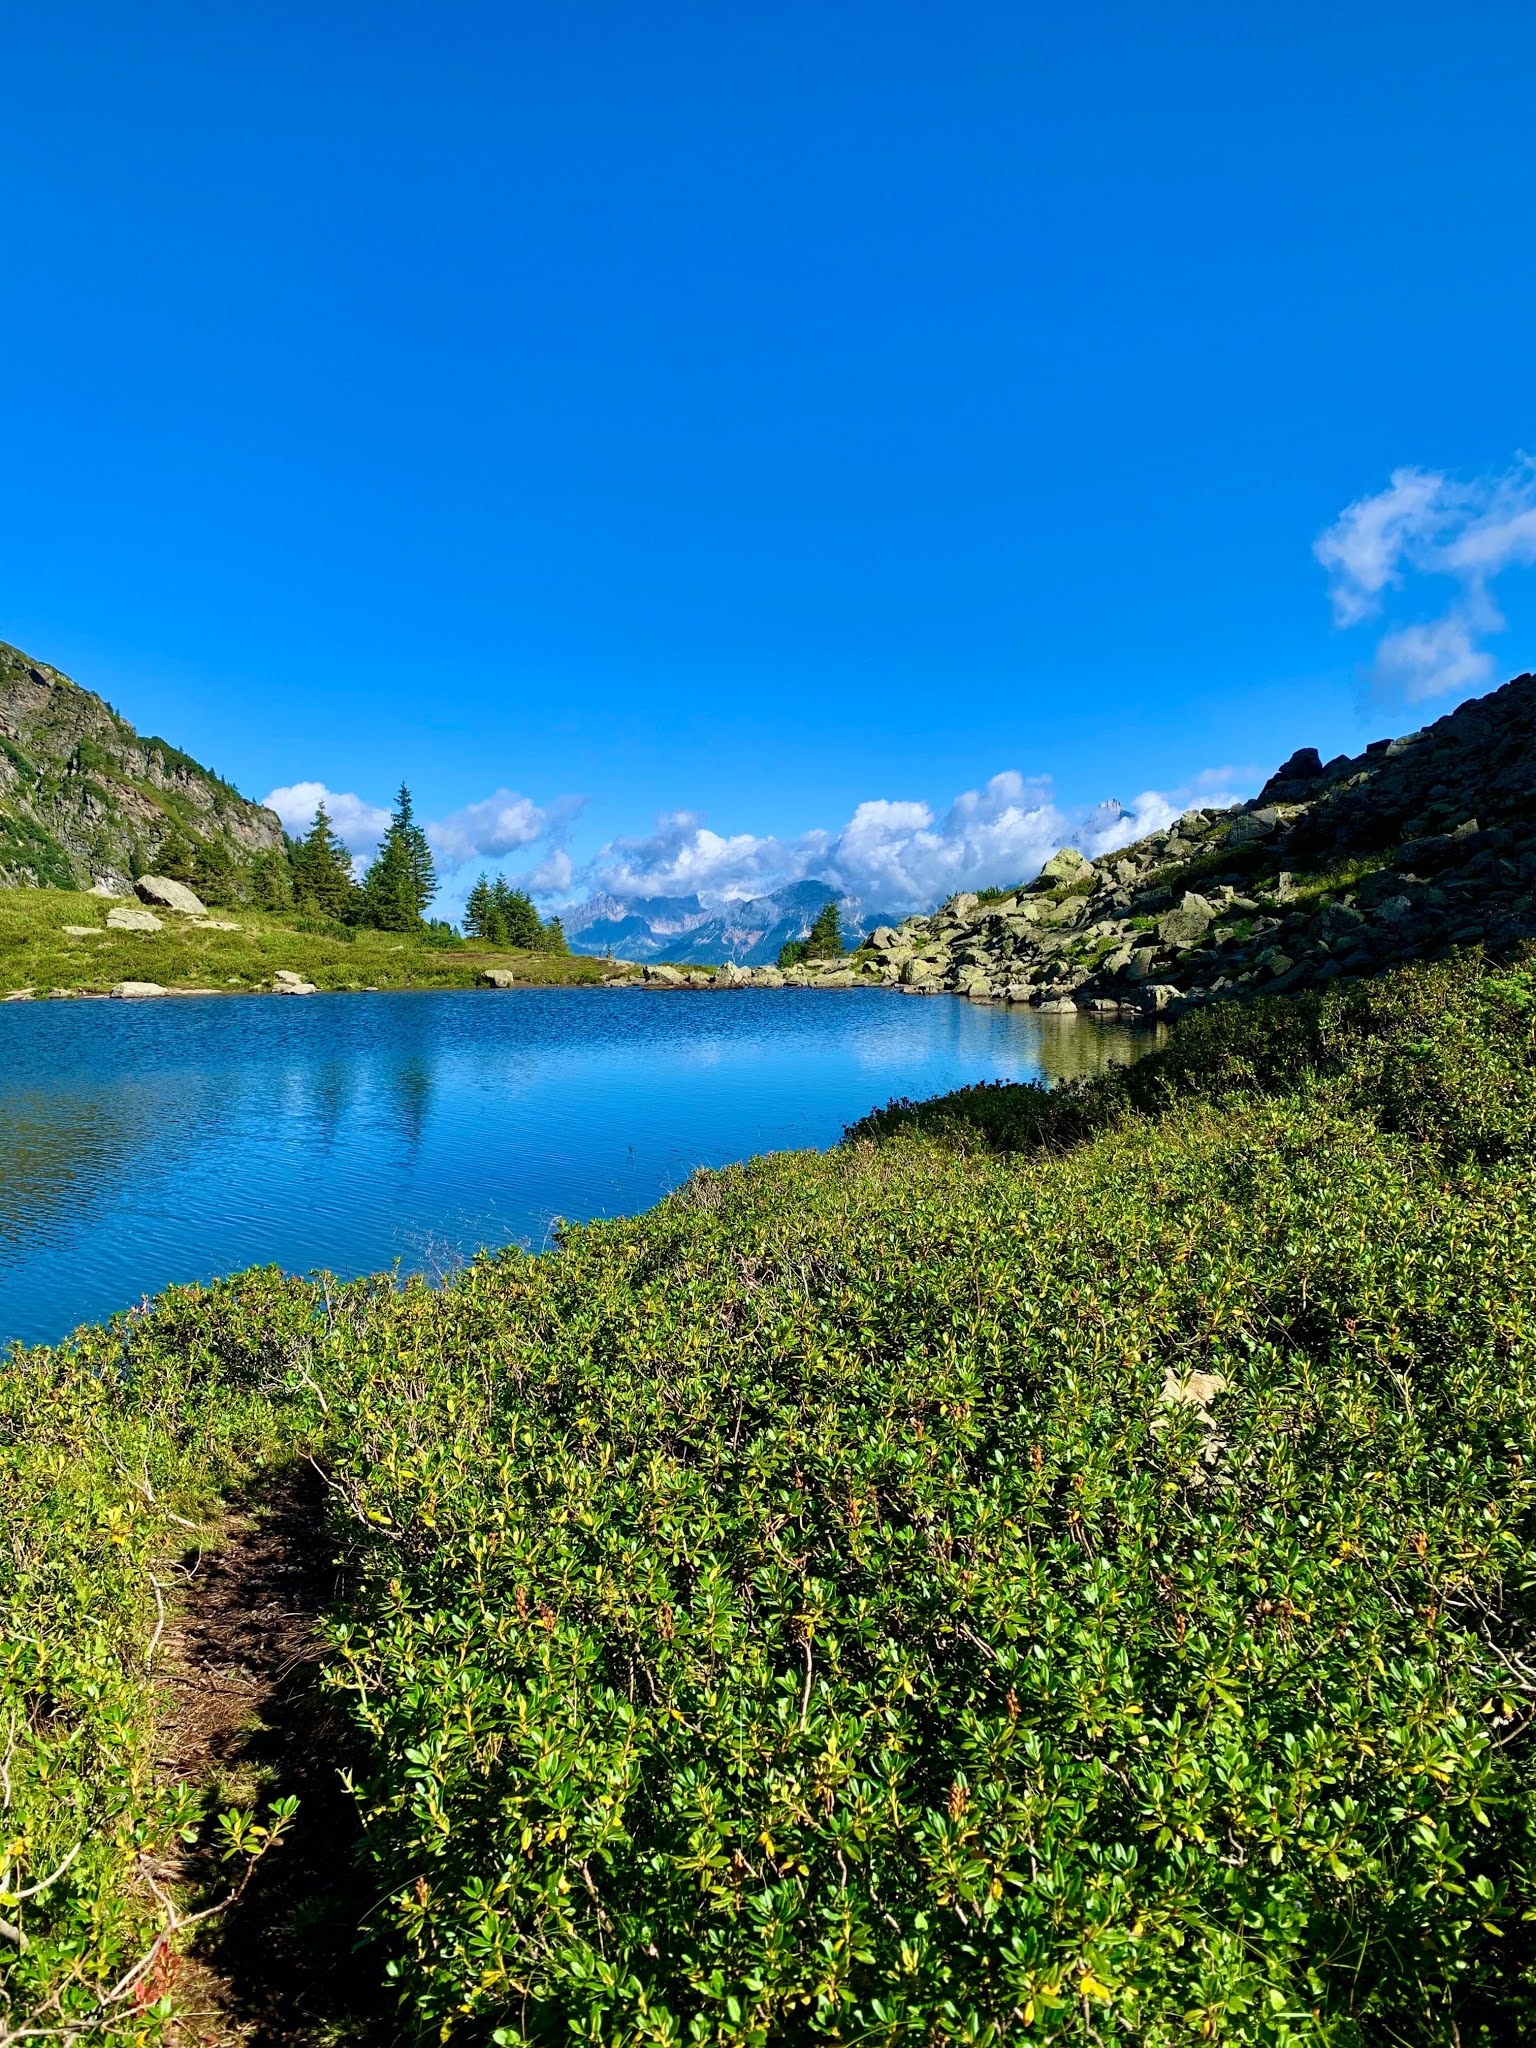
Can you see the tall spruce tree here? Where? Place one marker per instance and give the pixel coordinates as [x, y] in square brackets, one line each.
[322, 870]
[480, 912]
[402, 880]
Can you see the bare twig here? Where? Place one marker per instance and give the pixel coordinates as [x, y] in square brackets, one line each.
[154, 1641]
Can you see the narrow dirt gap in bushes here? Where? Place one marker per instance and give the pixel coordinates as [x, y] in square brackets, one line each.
[247, 1723]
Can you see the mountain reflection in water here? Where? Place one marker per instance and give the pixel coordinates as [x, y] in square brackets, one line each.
[146, 1143]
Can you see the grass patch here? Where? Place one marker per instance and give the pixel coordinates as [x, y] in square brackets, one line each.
[37, 953]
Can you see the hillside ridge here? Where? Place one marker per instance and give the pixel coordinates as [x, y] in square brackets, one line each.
[83, 797]
[1415, 847]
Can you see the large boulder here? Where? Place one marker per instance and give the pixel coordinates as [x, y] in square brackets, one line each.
[496, 977]
[663, 977]
[286, 983]
[170, 895]
[133, 921]
[139, 988]
[1063, 869]
[1187, 925]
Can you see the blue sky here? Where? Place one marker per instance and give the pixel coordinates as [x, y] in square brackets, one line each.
[598, 414]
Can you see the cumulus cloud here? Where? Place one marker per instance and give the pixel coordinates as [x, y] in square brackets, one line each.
[1428, 524]
[499, 824]
[357, 824]
[892, 854]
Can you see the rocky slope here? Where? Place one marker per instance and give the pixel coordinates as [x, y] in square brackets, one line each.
[83, 797]
[1415, 847]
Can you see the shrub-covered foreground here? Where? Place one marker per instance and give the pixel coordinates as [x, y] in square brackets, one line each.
[917, 1592]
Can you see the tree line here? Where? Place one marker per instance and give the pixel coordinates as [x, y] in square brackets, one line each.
[315, 875]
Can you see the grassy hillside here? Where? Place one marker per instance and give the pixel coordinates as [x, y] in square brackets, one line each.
[37, 953]
[1077, 1591]
[82, 794]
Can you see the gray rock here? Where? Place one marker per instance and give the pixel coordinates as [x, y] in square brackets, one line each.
[286, 983]
[81, 931]
[139, 988]
[1065, 867]
[170, 895]
[496, 977]
[133, 921]
[1187, 925]
[663, 977]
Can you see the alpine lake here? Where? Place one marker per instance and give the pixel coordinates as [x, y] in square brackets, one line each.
[156, 1142]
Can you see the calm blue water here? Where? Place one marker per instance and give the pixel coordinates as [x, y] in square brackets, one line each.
[145, 1143]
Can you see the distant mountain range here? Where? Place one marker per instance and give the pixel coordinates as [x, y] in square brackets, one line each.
[683, 929]
[82, 795]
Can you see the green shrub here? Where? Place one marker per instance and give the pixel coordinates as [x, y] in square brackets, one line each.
[905, 1594]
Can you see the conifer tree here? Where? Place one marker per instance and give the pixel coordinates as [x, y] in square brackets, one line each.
[824, 940]
[402, 880]
[480, 912]
[322, 870]
[213, 872]
[272, 880]
[174, 858]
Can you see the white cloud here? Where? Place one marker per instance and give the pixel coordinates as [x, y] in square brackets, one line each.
[358, 825]
[1428, 524]
[552, 876]
[893, 854]
[1427, 661]
[497, 825]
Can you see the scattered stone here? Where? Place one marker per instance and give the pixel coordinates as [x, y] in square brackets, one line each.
[82, 931]
[103, 887]
[663, 977]
[19, 995]
[496, 977]
[134, 989]
[213, 924]
[133, 921]
[170, 895]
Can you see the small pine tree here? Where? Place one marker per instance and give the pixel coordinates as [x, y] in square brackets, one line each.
[175, 859]
[824, 940]
[402, 880]
[272, 880]
[554, 940]
[791, 953]
[518, 923]
[322, 870]
[214, 872]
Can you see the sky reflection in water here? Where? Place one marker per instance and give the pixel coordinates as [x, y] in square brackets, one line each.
[147, 1143]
